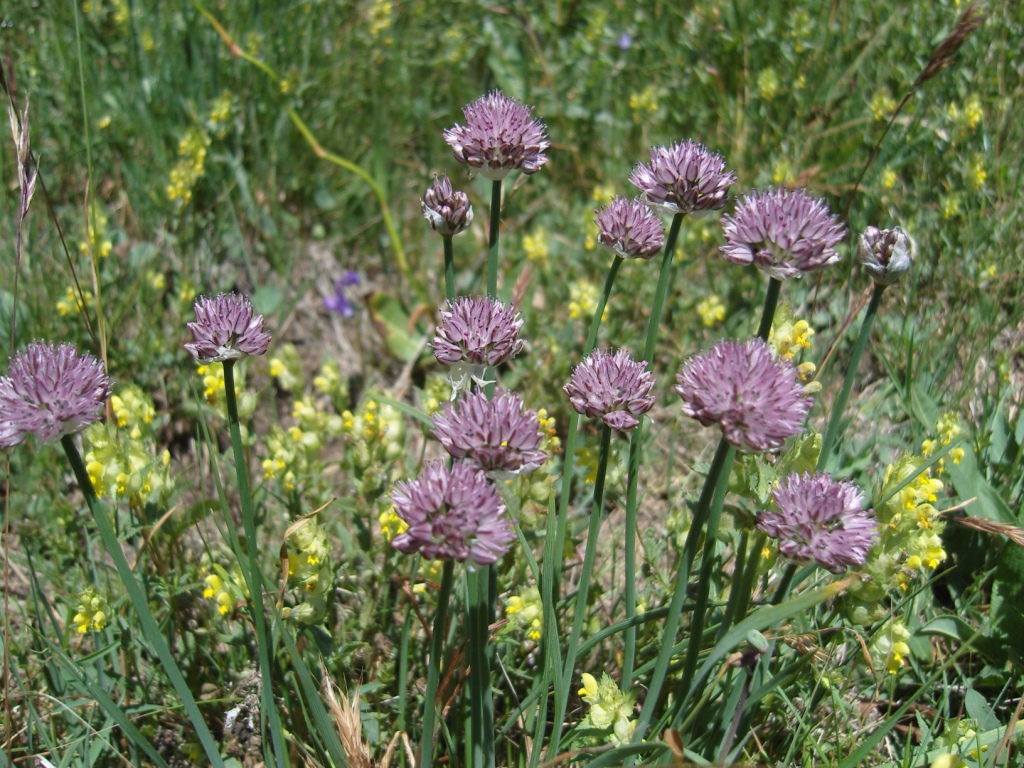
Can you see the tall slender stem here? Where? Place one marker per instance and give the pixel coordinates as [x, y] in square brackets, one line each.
[449, 268]
[582, 591]
[150, 629]
[828, 442]
[636, 450]
[253, 575]
[492, 244]
[629, 560]
[481, 706]
[434, 664]
[771, 301]
[720, 466]
[574, 425]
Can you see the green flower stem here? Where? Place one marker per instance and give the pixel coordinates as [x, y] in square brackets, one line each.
[743, 582]
[719, 471]
[574, 425]
[661, 291]
[739, 573]
[434, 666]
[492, 244]
[700, 609]
[828, 442]
[771, 301]
[629, 560]
[253, 576]
[552, 667]
[449, 268]
[582, 591]
[150, 629]
[481, 706]
[635, 451]
[782, 592]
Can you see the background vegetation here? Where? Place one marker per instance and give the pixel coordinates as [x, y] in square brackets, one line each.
[174, 165]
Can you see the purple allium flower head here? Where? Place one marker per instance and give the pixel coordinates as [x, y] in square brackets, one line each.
[683, 178]
[226, 330]
[453, 514]
[885, 253]
[612, 387]
[50, 391]
[496, 434]
[499, 136]
[822, 520]
[630, 229]
[340, 302]
[447, 210]
[784, 232]
[478, 330]
[756, 398]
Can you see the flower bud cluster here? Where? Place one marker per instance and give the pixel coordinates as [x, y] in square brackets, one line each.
[947, 429]
[889, 647]
[525, 613]
[610, 710]
[122, 458]
[93, 612]
[224, 588]
[909, 544]
[310, 572]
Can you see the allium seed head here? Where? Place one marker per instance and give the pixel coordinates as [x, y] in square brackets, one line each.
[683, 178]
[453, 514]
[784, 232]
[820, 520]
[612, 387]
[225, 329]
[756, 398]
[495, 434]
[499, 136]
[629, 229]
[447, 210]
[50, 391]
[477, 330]
[886, 253]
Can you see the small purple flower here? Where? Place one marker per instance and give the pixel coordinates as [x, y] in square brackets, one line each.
[630, 229]
[339, 302]
[50, 391]
[784, 232]
[885, 253]
[226, 330]
[612, 387]
[498, 137]
[495, 434]
[625, 41]
[820, 520]
[683, 178]
[756, 398]
[453, 514]
[447, 210]
[477, 330]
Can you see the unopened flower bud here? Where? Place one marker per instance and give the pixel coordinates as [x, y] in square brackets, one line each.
[885, 253]
[447, 210]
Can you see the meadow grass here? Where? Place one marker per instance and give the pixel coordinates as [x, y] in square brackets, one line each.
[280, 150]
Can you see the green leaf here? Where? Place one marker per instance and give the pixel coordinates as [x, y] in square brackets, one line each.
[979, 710]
